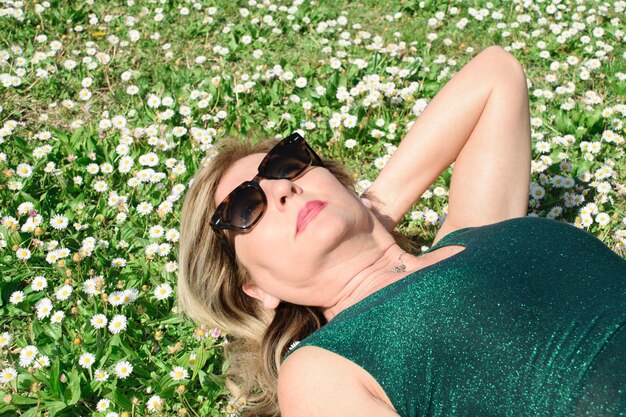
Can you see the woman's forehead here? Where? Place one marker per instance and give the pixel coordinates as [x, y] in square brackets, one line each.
[243, 169]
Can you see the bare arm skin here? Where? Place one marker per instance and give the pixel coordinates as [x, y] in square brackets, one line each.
[314, 382]
[480, 121]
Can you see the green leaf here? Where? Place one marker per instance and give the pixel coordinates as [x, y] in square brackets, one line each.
[121, 400]
[593, 119]
[30, 413]
[73, 389]
[55, 382]
[7, 410]
[200, 361]
[172, 319]
[22, 400]
[53, 330]
[54, 407]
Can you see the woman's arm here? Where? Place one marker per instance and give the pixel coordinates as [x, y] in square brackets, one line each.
[314, 382]
[480, 121]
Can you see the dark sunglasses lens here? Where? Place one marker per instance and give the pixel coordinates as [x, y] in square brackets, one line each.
[287, 161]
[244, 208]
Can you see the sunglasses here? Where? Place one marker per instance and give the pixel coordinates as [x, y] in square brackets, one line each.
[242, 209]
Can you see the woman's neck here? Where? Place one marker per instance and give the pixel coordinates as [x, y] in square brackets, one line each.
[373, 278]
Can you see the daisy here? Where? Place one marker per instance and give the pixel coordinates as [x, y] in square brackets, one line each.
[439, 191]
[7, 375]
[380, 162]
[118, 262]
[43, 361]
[537, 192]
[16, 297]
[143, 208]
[84, 94]
[100, 186]
[119, 122]
[179, 131]
[162, 291]
[25, 208]
[586, 220]
[101, 375]
[123, 369]
[178, 373]
[156, 231]
[350, 122]
[431, 216]
[192, 360]
[5, 338]
[23, 254]
[69, 64]
[99, 321]
[103, 404]
[153, 101]
[129, 295]
[27, 355]
[151, 250]
[603, 219]
[377, 134]
[64, 292]
[172, 235]
[301, 82]
[362, 185]
[155, 403]
[86, 360]
[44, 307]
[117, 324]
[115, 298]
[350, 143]
[24, 170]
[171, 266]
[57, 317]
[604, 187]
[15, 185]
[568, 183]
[543, 147]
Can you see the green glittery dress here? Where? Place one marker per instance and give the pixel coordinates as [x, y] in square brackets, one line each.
[527, 320]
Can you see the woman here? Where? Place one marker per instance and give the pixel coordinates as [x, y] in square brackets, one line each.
[504, 315]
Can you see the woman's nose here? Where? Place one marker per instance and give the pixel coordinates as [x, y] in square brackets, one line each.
[280, 191]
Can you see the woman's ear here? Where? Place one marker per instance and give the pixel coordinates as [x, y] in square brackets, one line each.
[269, 301]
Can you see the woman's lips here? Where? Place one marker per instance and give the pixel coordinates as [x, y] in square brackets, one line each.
[308, 213]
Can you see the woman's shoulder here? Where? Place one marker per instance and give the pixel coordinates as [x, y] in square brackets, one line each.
[312, 361]
[316, 381]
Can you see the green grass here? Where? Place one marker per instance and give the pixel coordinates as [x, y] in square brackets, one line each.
[156, 339]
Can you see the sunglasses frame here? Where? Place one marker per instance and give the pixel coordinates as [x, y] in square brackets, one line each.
[294, 139]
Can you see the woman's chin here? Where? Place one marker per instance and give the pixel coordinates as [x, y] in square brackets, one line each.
[329, 232]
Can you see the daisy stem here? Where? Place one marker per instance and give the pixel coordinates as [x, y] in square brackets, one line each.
[186, 403]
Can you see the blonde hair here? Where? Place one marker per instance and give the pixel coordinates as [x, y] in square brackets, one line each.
[210, 289]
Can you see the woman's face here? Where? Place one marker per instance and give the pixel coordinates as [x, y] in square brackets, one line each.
[310, 227]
